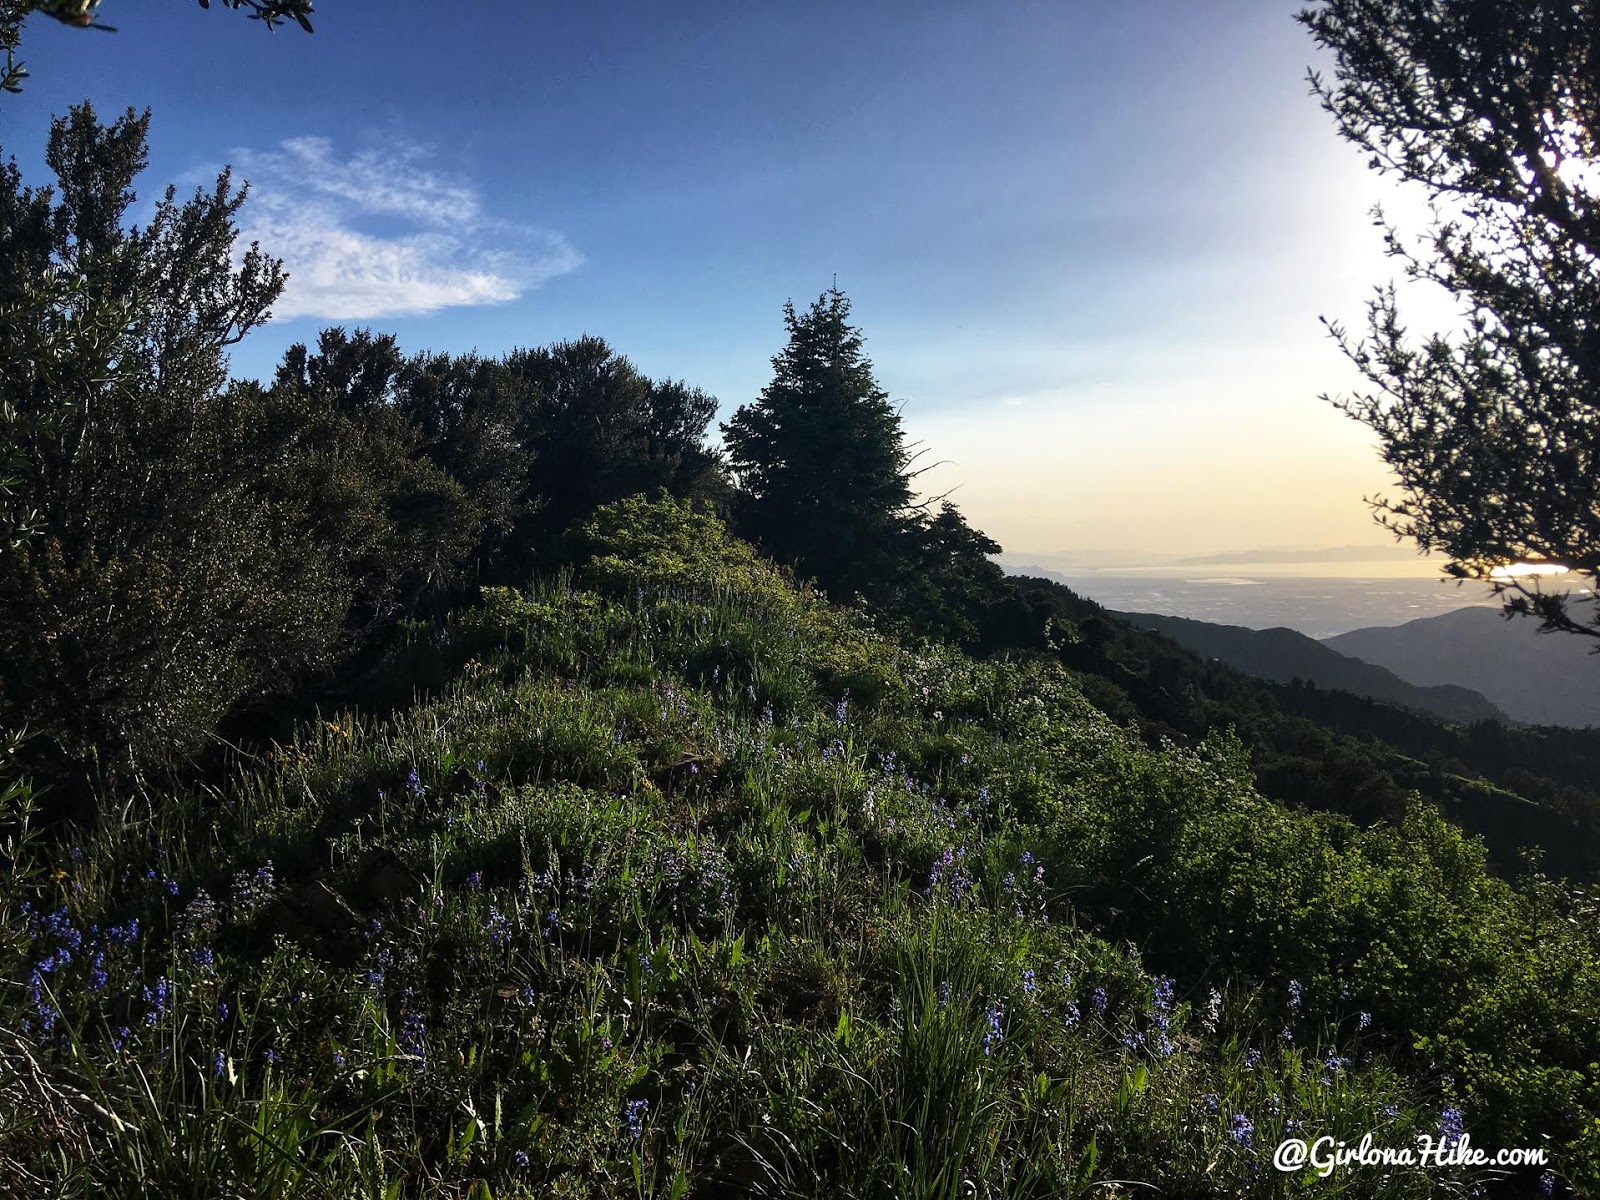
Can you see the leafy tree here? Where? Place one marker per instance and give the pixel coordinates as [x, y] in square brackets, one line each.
[1494, 109]
[534, 442]
[149, 577]
[821, 459]
[468, 410]
[398, 525]
[596, 429]
[85, 14]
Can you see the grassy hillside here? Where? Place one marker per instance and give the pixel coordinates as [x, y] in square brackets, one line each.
[682, 883]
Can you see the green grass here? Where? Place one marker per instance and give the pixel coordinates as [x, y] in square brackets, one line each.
[688, 885]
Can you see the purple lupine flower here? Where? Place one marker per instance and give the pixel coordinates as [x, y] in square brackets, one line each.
[1363, 1021]
[1252, 1059]
[413, 1040]
[475, 882]
[219, 1062]
[1296, 994]
[1390, 1111]
[1029, 986]
[1243, 1131]
[1547, 1184]
[499, 929]
[1161, 997]
[635, 1113]
[1451, 1126]
[1097, 1001]
[1071, 1016]
[159, 999]
[994, 1035]
[1212, 1101]
[521, 1159]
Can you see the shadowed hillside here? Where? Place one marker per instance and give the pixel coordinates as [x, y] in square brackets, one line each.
[1538, 678]
[1282, 655]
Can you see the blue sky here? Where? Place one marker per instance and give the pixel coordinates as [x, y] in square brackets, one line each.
[1088, 243]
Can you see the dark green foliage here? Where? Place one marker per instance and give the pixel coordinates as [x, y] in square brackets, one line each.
[947, 587]
[826, 488]
[154, 579]
[399, 527]
[824, 472]
[536, 441]
[1520, 789]
[595, 430]
[645, 901]
[469, 412]
[1494, 434]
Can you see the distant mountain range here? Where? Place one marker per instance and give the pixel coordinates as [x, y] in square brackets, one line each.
[1282, 655]
[1543, 679]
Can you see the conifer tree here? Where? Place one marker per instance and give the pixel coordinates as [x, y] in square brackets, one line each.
[821, 458]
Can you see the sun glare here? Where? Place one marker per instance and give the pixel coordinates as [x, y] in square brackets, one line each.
[1521, 570]
[1571, 164]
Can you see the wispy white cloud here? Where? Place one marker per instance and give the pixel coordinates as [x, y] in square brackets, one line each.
[380, 234]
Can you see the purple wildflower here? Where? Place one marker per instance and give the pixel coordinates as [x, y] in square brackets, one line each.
[1451, 1126]
[499, 929]
[1243, 1131]
[635, 1112]
[994, 1014]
